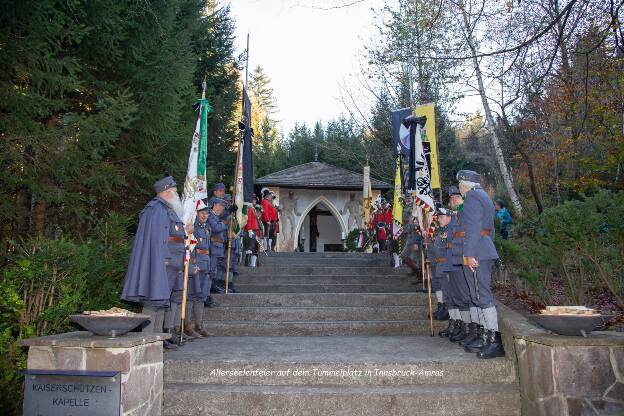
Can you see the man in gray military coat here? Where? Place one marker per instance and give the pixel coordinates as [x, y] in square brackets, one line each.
[155, 268]
[479, 255]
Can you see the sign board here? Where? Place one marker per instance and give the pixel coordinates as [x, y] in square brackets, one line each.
[72, 393]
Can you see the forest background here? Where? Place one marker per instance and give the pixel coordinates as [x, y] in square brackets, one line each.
[96, 104]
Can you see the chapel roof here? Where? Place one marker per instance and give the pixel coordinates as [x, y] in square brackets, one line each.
[318, 175]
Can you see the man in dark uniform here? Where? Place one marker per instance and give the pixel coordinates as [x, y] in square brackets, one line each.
[199, 285]
[479, 255]
[460, 290]
[235, 249]
[218, 230]
[438, 259]
[218, 192]
[157, 259]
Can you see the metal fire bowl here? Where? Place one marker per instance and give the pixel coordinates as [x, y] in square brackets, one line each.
[570, 324]
[110, 326]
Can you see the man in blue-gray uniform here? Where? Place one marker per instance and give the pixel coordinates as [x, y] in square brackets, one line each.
[461, 292]
[218, 230]
[436, 255]
[157, 259]
[235, 248]
[218, 192]
[479, 255]
[199, 285]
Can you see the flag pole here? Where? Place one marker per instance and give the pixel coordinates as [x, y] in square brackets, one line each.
[229, 244]
[187, 259]
[238, 148]
[429, 296]
[187, 253]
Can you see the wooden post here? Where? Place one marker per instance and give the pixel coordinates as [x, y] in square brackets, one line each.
[429, 296]
[187, 260]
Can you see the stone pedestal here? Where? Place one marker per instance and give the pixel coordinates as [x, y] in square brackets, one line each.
[564, 376]
[137, 356]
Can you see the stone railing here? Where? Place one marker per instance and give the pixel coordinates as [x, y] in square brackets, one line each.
[137, 358]
[564, 376]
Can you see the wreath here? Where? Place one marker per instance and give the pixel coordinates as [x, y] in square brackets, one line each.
[354, 240]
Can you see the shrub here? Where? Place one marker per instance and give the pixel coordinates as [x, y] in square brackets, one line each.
[45, 281]
[579, 243]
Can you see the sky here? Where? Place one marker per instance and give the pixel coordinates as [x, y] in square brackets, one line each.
[307, 52]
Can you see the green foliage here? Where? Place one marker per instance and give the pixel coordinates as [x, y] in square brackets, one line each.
[579, 243]
[95, 103]
[45, 281]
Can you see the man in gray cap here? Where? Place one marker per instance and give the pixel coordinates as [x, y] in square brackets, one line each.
[460, 327]
[155, 269]
[479, 255]
[235, 246]
[218, 192]
[218, 230]
[437, 258]
[199, 285]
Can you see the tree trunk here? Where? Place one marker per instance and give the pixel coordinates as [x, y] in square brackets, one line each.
[500, 158]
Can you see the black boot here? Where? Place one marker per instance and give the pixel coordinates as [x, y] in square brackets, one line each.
[210, 303]
[175, 337]
[494, 346]
[437, 312]
[461, 334]
[443, 314]
[478, 343]
[456, 328]
[169, 346]
[231, 288]
[470, 335]
[218, 286]
[446, 332]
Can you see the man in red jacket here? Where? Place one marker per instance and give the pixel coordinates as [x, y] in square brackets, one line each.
[269, 218]
[379, 224]
[252, 230]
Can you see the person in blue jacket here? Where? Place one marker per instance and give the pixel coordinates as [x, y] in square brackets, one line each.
[505, 218]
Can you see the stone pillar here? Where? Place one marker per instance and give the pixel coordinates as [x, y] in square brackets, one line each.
[571, 376]
[564, 376]
[137, 356]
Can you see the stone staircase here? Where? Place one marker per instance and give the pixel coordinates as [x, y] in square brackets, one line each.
[330, 334]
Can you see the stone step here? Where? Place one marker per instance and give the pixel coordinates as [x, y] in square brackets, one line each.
[340, 255]
[320, 328]
[323, 270]
[326, 288]
[448, 400]
[326, 361]
[321, 313]
[280, 261]
[269, 279]
[321, 299]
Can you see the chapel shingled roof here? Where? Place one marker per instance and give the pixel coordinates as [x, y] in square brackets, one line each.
[318, 175]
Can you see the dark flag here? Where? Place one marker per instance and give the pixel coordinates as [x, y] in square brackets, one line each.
[248, 178]
[411, 122]
[400, 133]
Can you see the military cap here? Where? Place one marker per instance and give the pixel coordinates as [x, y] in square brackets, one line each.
[218, 186]
[444, 211]
[468, 175]
[163, 184]
[219, 201]
[453, 190]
